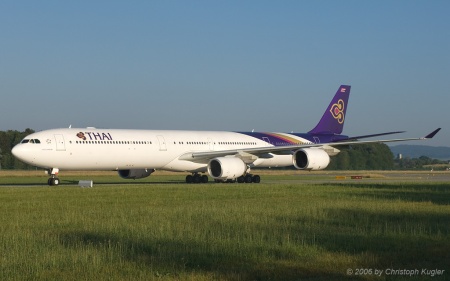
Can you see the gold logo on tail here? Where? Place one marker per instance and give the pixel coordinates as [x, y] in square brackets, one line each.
[337, 110]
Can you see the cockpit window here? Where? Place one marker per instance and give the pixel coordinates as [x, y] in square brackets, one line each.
[31, 141]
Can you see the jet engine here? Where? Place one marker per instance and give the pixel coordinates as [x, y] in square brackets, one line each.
[135, 173]
[226, 168]
[310, 159]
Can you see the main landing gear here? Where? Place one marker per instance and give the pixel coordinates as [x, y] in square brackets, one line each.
[53, 180]
[248, 178]
[196, 178]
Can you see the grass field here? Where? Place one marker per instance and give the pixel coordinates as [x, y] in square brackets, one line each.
[162, 229]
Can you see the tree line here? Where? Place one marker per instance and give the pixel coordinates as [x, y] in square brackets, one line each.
[378, 156]
[421, 163]
[8, 139]
[373, 156]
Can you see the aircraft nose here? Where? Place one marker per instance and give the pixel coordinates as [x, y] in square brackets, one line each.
[25, 153]
[19, 152]
[15, 151]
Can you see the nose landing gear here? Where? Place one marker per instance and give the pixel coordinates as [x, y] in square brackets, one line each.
[53, 180]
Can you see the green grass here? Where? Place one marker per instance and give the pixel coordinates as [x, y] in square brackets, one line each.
[170, 231]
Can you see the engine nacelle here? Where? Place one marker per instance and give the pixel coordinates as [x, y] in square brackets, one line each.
[310, 159]
[226, 168]
[135, 173]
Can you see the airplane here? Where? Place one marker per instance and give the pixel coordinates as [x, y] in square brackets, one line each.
[224, 156]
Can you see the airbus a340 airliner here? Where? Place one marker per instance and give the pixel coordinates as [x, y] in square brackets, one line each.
[224, 156]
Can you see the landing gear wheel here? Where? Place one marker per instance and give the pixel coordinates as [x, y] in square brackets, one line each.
[53, 181]
[241, 179]
[248, 178]
[197, 178]
[256, 179]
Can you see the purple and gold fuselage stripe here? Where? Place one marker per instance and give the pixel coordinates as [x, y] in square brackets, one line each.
[277, 138]
[285, 138]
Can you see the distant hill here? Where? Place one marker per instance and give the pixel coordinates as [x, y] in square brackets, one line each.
[415, 151]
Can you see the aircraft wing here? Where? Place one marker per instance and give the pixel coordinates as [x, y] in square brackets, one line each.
[370, 136]
[204, 157]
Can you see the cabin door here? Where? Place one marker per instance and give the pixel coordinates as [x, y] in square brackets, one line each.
[211, 144]
[60, 145]
[162, 143]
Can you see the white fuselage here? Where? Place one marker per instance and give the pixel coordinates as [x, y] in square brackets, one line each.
[112, 149]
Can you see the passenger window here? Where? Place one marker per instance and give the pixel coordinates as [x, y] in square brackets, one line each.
[25, 141]
[37, 141]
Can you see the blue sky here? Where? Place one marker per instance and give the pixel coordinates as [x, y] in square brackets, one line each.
[225, 65]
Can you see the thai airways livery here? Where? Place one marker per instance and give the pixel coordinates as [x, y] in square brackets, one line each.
[224, 156]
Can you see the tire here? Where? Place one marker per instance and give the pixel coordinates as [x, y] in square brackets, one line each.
[256, 179]
[204, 179]
[248, 178]
[189, 179]
[197, 178]
[53, 181]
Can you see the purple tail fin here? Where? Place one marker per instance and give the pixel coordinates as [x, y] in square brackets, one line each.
[332, 121]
